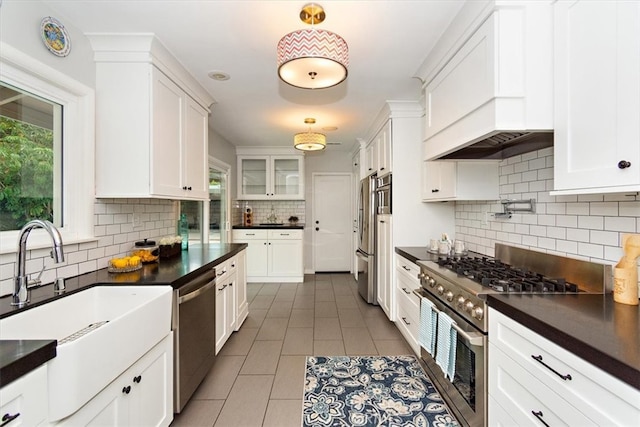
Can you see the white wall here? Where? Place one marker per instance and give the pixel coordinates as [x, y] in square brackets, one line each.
[587, 227]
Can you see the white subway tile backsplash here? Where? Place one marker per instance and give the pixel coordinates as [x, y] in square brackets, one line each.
[591, 222]
[587, 226]
[604, 237]
[604, 208]
[578, 235]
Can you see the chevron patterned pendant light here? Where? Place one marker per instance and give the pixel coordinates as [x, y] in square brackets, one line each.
[312, 58]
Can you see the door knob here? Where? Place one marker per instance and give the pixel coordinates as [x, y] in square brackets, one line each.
[623, 164]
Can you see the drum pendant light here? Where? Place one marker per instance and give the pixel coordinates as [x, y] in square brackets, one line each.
[312, 58]
[309, 141]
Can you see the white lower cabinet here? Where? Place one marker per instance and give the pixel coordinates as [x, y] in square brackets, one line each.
[408, 304]
[141, 396]
[272, 255]
[384, 265]
[231, 297]
[24, 401]
[532, 381]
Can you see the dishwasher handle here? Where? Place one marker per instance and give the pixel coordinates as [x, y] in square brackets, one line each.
[199, 285]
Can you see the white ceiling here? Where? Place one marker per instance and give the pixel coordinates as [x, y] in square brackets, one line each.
[388, 41]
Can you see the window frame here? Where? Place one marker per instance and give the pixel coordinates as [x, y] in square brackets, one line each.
[78, 135]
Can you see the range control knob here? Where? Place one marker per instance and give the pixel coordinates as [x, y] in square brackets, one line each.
[468, 306]
[440, 289]
[460, 301]
[477, 312]
[421, 275]
[431, 281]
[449, 296]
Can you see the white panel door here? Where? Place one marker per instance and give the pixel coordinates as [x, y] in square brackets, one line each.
[332, 222]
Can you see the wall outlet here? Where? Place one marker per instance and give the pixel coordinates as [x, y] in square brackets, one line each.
[485, 218]
[136, 220]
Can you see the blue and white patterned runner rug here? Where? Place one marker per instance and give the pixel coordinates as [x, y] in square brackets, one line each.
[371, 391]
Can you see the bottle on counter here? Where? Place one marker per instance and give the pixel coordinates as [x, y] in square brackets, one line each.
[183, 231]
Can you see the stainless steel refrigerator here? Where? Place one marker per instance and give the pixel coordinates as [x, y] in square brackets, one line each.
[366, 240]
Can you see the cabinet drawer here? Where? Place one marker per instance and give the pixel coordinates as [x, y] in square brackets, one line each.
[226, 269]
[523, 396]
[598, 395]
[405, 287]
[408, 320]
[285, 234]
[410, 268]
[249, 235]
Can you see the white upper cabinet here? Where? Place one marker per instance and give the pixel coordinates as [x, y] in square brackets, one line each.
[490, 72]
[463, 180]
[597, 96]
[151, 122]
[262, 177]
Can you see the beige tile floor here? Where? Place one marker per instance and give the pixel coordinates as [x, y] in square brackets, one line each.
[258, 376]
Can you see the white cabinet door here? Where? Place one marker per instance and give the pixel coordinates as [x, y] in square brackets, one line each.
[370, 159]
[461, 180]
[270, 177]
[384, 262]
[222, 309]
[152, 388]
[597, 96]
[383, 148]
[242, 307]
[257, 255]
[167, 107]
[195, 182]
[285, 258]
[24, 401]
[141, 396]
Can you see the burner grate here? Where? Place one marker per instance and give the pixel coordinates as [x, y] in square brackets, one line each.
[502, 277]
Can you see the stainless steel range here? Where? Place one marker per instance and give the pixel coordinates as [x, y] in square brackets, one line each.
[458, 285]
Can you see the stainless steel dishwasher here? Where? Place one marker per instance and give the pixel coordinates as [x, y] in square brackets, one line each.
[194, 329]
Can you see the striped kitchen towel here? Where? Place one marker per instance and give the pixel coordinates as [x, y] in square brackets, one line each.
[446, 351]
[428, 326]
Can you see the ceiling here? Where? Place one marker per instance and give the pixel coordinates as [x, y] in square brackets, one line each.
[388, 41]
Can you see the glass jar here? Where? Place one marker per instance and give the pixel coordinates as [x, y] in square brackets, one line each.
[147, 250]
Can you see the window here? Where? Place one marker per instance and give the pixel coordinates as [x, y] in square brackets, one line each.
[71, 181]
[30, 159]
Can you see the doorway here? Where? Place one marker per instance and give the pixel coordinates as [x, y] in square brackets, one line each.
[331, 223]
[218, 201]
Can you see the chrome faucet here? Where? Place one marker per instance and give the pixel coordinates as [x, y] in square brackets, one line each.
[20, 291]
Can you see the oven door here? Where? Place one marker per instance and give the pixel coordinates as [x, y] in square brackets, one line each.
[466, 395]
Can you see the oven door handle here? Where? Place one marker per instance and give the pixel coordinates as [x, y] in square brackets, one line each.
[473, 338]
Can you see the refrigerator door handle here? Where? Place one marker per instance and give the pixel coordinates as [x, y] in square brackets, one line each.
[362, 255]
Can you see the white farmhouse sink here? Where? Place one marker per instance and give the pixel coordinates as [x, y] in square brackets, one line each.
[137, 317]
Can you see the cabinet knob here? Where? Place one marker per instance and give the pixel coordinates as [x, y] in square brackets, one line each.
[184, 187]
[189, 188]
[317, 228]
[623, 164]
[126, 390]
[317, 222]
[137, 379]
[435, 190]
[370, 169]
[381, 169]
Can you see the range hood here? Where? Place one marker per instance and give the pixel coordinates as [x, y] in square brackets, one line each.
[488, 85]
[501, 145]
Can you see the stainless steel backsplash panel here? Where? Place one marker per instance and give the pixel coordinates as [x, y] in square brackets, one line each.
[589, 276]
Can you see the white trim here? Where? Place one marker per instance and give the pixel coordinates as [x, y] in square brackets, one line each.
[314, 175]
[78, 101]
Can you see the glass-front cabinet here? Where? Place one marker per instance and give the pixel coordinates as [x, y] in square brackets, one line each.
[270, 177]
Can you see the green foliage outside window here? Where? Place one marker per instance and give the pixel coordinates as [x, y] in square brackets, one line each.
[26, 173]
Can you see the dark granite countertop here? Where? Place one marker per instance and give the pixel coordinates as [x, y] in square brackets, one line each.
[416, 253]
[591, 326]
[286, 225]
[17, 357]
[20, 357]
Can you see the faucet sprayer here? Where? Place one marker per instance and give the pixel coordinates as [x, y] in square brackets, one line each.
[20, 291]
